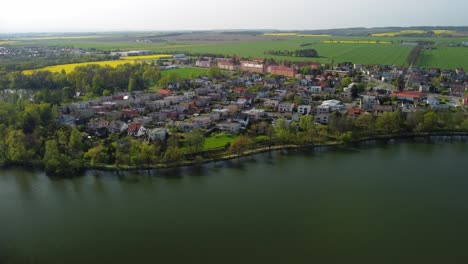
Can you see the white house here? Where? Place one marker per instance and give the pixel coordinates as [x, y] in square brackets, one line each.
[304, 109]
[334, 105]
[315, 89]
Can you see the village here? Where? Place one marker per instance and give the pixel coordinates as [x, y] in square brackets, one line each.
[251, 91]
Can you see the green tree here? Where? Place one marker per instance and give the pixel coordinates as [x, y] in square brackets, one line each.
[214, 72]
[430, 121]
[239, 145]
[195, 141]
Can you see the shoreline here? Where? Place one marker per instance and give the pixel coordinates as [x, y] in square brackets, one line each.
[261, 150]
[248, 153]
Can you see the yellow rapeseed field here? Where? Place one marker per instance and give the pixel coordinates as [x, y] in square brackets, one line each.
[403, 32]
[444, 32]
[61, 37]
[70, 67]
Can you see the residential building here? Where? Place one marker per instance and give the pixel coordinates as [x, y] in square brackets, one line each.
[285, 107]
[203, 63]
[315, 89]
[253, 66]
[282, 71]
[226, 64]
[158, 134]
[230, 127]
[136, 130]
[304, 109]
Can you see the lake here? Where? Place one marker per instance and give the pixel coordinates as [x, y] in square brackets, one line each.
[400, 202]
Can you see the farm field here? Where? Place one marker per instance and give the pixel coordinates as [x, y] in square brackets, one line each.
[444, 58]
[361, 50]
[356, 53]
[70, 67]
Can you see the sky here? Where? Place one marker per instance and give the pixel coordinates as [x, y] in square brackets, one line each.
[159, 15]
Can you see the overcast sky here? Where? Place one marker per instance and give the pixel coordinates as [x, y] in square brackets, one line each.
[120, 15]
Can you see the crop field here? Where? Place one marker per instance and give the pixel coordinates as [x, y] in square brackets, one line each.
[444, 58]
[362, 50]
[338, 52]
[187, 73]
[295, 35]
[70, 67]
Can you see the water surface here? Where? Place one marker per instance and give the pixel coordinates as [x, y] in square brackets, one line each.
[386, 203]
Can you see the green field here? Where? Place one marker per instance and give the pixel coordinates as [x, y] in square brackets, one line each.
[329, 48]
[187, 73]
[444, 57]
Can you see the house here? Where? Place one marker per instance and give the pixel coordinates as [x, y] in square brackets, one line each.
[202, 121]
[164, 92]
[380, 109]
[253, 66]
[98, 123]
[411, 96]
[322, 118]
[460, 71]
[304, 109]
[255, 114]
[323, 109]
[242, 119]
[285, 107]
[334, 105]
[282, 71]
[117, 127]
[66, 120]
[465, 43]
[230, 127]
[158, 134]
[203, 63]
[136, 130]
[271, 103]
[180, 57]
[355, 112]
[226, 64]
[188, 126]
[315, 89]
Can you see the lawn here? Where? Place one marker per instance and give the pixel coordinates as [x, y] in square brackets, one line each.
[444, 58]
[187, 73]
[217, 140]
